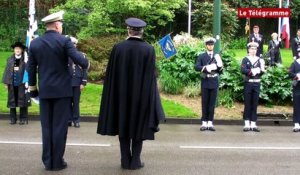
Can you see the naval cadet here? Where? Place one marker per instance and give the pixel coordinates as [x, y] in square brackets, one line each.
[252, 67]
[296, 45]
[210, 65]
[294, 73]
[79, 80]
[48, 59]
[258, 38]
[13, 80]
[130, 105]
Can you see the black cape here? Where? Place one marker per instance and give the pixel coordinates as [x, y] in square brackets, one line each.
[130, 104]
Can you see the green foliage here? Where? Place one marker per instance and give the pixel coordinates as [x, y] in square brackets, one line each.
[98, 51]
[169, 84]
[239, 43]
[226, 98]
[181, 66]
[203, 20]
[192, 90]
[276, 85]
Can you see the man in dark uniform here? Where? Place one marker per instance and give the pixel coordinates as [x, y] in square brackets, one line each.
[48, 57]
[13, 80]
[296, 45]
[252, 67]
[258, 38]
[210, 65]
[294, 73]
[79, 80]
[130, 105]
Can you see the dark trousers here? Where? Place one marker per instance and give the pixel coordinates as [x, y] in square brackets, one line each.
[75, 104]
[251, 97]
[296, 105]
[130, 153]
[208, 97]
[54, 114]
[23, 113]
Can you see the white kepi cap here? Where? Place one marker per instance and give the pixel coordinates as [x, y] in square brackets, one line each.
[53, 17]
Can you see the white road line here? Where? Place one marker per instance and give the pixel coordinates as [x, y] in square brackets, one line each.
[242, 148]
[68, 144]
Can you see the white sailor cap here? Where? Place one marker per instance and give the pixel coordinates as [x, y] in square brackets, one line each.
[74, 40]
[58, 16]
[252, 44]
[209, 41]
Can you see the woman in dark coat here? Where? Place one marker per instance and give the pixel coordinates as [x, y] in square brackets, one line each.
[13, 80]
[294, 73]
[274, 50]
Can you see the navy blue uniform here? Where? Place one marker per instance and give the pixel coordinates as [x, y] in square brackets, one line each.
[251, 89]
[48, 57]
[209, 85]
[293, 71]
[296, 46]
[79, 77]
[259, 40]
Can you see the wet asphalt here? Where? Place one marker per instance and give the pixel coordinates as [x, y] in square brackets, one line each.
[179, 149]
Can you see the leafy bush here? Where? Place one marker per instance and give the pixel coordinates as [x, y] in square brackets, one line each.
[238, 43]
[192, 90]
[169, 84]
[226, 98]
[276, 85]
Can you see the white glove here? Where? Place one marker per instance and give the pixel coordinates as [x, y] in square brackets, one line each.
[255, 71]
[213, 66]
[26, 85]
[294, 57]
[279, 39]
[208, 68]
[219, 60]
[260, 55]
[262, 65]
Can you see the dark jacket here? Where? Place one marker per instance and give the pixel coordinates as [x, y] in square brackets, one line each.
[8, 78]
[246, 69]
[258, 40]
[49, 56]
[130, 104]
[274, 51]
[79, 75]
[207, 82]
[293, 71]
[296, 46]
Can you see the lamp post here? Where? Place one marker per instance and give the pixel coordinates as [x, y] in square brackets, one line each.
[217, 25]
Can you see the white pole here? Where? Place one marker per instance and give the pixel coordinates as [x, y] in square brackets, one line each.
[279, 20]
[189, 20]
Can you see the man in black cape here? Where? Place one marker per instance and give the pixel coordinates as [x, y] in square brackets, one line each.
[130, 105]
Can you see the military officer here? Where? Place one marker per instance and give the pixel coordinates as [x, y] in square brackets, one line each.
[130, 105]
[210, 65]
[79, 80]
[296, 45]
[13, 80]
[274, 50]
[252, 67]
[48, 58]
[294, 73]
[258, 38]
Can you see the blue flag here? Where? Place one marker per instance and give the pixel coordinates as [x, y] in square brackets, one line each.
[167, 46]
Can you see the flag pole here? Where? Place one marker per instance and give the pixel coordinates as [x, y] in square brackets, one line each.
[279, 20]
[189, 17]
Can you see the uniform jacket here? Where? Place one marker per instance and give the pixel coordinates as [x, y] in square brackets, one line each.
[295, 46]
[258, 40]
[246, 69]
[207, 82]
[8, 79]
[274, 49]
[130, 105]
[293, 71]
[49, 56]
[79, 75]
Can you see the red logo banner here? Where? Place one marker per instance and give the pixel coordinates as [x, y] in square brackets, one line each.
[263, 12]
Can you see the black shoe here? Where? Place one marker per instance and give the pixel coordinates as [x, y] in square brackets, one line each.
[13, 121]
[296, 130]
[69, 123]
[211, 128]
[138, 167]
[76, 125]
[255, 129]
[203, 128]
[64, 166]
[246, 129]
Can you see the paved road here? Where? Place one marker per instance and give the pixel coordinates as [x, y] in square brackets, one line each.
[178, 150]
